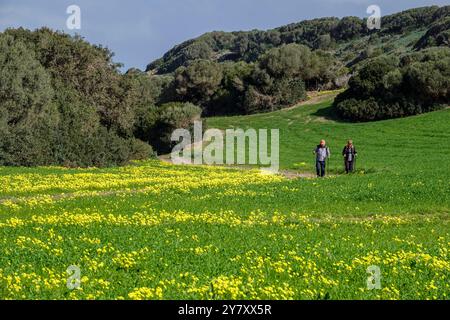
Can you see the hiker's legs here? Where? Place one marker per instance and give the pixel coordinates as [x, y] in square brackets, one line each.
[322, 167]
[350, 166]
[347, 166]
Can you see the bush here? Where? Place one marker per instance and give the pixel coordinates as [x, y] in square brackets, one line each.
[437, 35]
[57, 109]
[198, 82]
[387, 87]
[348, 28]
[169, 117]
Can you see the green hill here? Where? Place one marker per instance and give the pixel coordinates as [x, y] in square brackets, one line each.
[347, 38]
[67, 103]
[404, 66]
[386, 147]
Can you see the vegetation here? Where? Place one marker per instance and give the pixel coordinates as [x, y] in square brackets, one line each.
[169, 117]
[63, 101]
[152, 230]
[437, 35]
[262, 71]
[157, 231]
[322, 33]
[280, 77]
[301, 129]
[388, 87]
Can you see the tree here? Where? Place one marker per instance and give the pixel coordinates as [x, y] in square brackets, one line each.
[437, 35]
[27, 115]
[171, 116]
[386, 87]
[292, 61]
[430, 78]
[369, 80]
[63, 101]
[198, 82]
[348, 28]
[25, 86]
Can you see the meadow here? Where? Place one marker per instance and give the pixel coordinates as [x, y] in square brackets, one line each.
[152, 230]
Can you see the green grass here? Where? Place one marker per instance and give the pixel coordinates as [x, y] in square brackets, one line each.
[157, 231]
[410, 145]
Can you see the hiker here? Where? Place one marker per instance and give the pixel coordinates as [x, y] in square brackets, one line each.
[322, 153]
[349, 154]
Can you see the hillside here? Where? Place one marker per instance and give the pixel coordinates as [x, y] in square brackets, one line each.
[67, 103]
[229, 73]
[348, 39]
[387, 148]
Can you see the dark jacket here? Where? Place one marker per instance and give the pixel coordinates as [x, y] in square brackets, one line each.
[349, 153]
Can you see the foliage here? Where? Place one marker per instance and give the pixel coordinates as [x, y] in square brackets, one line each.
[157, 231]
[437, 35]
[387, 87]
[322, 33]
[279, 78]
[169, 117]
[348, 28]
[198, 82]
[63, 101]
[318, 54]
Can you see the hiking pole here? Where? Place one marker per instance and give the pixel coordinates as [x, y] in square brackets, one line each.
[328, 166]
[327, 169]
[315, 163]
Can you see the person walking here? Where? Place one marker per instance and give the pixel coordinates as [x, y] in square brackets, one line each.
[349, 154]
[322, 153]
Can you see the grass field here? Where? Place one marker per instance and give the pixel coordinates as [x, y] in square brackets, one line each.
[152, 230]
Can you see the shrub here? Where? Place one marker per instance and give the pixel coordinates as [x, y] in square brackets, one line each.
[169, 117]
[55, 109]
[387, 87]
[198, 82]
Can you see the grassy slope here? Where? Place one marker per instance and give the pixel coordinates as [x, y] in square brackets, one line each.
[400, 145]
[157, 231]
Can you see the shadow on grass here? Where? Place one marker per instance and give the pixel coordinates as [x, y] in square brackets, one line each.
[329, 113]
[358, 171]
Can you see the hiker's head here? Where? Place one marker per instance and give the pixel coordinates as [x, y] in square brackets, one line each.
[322, 143]
[350, 143]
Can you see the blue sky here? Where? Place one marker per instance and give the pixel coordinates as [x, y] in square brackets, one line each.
[139, 31]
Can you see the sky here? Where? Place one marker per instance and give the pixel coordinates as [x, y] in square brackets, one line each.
[140, 31]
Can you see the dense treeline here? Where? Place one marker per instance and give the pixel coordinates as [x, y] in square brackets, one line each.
[322, 33]
[258, 71]
[280, 77]
[63, 101]
[437, 35]
[389, 86]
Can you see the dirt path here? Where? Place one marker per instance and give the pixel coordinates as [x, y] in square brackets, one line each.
[289, 174]
[314, 98]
